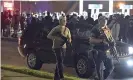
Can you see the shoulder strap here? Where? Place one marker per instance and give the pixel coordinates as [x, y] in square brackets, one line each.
[64, 30]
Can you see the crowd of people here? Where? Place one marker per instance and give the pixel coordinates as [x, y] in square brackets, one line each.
[77, 25]
[120, 25]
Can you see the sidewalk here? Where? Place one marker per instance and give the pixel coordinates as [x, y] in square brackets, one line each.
[10, 75]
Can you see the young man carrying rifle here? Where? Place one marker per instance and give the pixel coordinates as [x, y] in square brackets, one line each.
[60, 36]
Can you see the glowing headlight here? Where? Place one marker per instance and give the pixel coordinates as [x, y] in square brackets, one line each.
[130, 49]
[130, 62]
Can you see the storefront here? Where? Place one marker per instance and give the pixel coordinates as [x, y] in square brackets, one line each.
[7, 5]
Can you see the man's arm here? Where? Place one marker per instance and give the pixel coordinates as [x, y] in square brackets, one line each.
[95, 40]
[50, 35]
[93, 36]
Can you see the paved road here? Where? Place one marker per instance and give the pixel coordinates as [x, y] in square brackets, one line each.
[9, 55]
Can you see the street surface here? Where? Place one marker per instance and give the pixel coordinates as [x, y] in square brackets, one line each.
[10, 55]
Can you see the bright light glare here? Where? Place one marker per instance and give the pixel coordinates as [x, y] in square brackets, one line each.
[121, 5]
[7, 4]
[130, 49]
[130, 63]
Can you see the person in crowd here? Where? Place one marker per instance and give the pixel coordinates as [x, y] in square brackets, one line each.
[122, 22]
[10, 15]
[37, 18]
[58, 47]
[16, 21]
[56, 21]
[22, 22]
[74, 19]
[31, 30]
[68, 17]
[96, 21]
[72, 24]
[115, 27]
[110, 19]
[96, 39]
[29, 18]
[130, 31]
[90, 20]
[48, 21]
[124, 36]
[81, 20]
[7, 21]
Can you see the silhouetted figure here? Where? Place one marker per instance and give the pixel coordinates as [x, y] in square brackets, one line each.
[48, 21]
[90, 20]
[96, 21]
[130, 31]
[22, 22]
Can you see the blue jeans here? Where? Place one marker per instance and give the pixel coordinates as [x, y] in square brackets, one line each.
[59, 53]
[108, 64]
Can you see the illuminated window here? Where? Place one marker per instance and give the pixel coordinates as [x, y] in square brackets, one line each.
[7, 4]
[9, 8]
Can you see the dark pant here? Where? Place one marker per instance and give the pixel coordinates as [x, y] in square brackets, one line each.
[100, 58]
[59, 53]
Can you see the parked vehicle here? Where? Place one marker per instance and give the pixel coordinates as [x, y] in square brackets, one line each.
[38, 51]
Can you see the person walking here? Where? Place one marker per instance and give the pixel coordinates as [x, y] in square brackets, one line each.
[59, 47]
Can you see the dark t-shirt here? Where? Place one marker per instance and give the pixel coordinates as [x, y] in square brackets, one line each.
[96, 33]
[90, 21]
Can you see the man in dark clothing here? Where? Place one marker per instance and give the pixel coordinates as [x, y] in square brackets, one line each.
[90, 20]
[99, 45]
[7, 24]
[125, 39]
[123, 28]
[16, 21]
[48, 21]
[56, 21]
[29, 18]
[96, 21]
[130, 31]
[31, 30]
[110, 19]
[22, 22]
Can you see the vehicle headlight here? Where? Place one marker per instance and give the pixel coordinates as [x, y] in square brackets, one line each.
[130, 50]
[130, 62]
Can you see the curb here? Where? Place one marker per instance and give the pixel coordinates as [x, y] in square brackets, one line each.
[36, 73]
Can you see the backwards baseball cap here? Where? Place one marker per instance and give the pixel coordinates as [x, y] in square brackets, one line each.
[62, 18]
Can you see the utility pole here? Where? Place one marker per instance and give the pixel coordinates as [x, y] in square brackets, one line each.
[20, 7]
[111, 7]
[81, 7]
